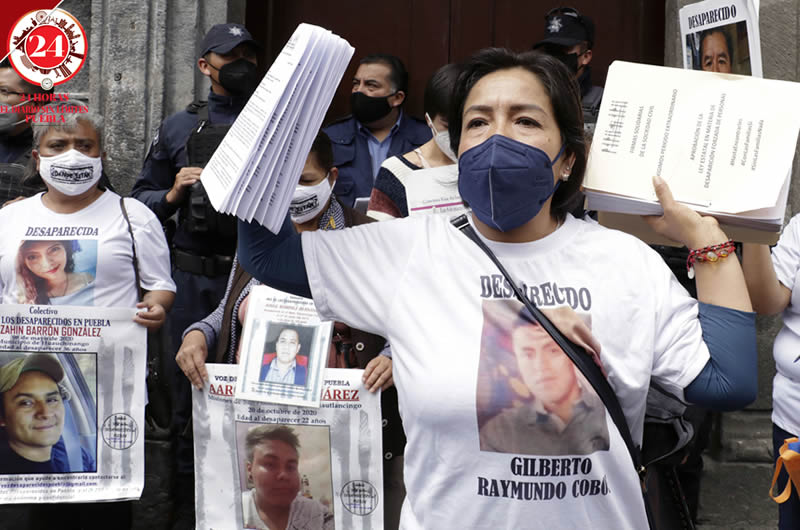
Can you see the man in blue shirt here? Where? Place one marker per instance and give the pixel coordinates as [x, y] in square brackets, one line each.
[377, 129]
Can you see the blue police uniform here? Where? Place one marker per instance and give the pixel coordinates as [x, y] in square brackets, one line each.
[351, 153]
[197, 294]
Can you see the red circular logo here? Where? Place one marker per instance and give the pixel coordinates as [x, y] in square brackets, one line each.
[47, 46]
[47, 49]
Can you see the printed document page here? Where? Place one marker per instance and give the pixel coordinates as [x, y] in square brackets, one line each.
[710, 136]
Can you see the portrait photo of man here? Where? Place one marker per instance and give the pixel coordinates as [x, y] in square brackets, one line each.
[275, 500]
[284, 365]
[554, 410]
[721, 49]
[32, 418]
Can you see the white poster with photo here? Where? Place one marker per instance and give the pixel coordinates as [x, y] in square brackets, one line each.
[72, 385]
[721, 36]
[320, 467]
[434, 190]
[284, 349]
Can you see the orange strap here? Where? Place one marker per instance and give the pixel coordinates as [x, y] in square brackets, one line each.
[779, 464]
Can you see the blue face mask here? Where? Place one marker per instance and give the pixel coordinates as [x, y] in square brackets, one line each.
[506, 182]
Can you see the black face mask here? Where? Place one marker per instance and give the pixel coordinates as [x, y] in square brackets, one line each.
[569, 59]
[367, 109]
[239, 77]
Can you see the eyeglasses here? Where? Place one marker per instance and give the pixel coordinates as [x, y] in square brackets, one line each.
[6, 93]
[568, 11]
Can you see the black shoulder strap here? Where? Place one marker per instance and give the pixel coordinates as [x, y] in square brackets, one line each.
[578, 355]
[133, 248]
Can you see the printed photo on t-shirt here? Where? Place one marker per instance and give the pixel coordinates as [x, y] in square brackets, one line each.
[56, 272]
[531, 398]
[286, 353]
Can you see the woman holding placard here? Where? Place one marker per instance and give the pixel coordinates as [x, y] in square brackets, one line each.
[449, 314]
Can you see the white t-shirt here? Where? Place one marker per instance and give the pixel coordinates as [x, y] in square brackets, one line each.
[93, 248]
[443, 306]
[786, 349]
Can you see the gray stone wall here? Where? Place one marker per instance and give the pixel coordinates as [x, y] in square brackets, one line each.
[736, 481]
[142, 68]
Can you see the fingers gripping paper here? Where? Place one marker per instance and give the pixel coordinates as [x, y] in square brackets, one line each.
[254, 171]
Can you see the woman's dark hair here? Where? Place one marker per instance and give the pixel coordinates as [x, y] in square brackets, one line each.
[323, 150]
[439, 90]
[564, 95]
[35, 288]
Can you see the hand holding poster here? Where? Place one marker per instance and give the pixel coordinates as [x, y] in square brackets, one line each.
[284, 349]
[85, 375]
[331, 456]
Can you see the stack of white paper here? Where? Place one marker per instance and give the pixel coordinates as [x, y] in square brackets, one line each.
[254, 171]
[723, 143]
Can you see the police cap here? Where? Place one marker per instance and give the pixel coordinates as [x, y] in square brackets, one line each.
[222, 38]
[565, 26]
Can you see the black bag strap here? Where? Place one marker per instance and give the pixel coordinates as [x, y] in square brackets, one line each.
[578, 355]
[133, 248]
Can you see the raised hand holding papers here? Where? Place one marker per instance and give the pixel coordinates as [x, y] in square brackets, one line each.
[254, 171]
[724, 144]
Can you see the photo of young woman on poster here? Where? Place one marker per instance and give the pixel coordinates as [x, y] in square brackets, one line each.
[47, 273]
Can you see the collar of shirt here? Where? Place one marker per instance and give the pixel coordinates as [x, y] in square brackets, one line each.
[276, 376]
[224, 109]
[586, 402]
[378, 151]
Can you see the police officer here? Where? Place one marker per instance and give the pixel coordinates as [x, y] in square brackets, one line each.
[16, 135]
[569, 35]
[204, 241]
[377, 129]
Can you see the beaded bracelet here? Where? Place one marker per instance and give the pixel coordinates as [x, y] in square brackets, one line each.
[712, 253]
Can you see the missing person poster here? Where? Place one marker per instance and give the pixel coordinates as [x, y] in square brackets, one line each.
[72, 389]
[721, 36]
[284, 349]
[316, 468]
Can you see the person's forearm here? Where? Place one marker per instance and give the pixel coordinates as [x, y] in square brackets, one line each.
[722, 282]
[768, 295]
[162, 298]
[274, 260]
[729, 381]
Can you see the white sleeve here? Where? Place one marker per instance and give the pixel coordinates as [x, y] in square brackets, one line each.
[679, 352]
[354, 273]
[151, 248]
[786, 254]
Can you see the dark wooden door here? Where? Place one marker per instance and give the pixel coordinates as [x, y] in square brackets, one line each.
[426, 34]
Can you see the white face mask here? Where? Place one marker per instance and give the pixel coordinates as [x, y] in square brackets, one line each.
[442, 140]
[71, 173]
[308, 201]
[10, 118]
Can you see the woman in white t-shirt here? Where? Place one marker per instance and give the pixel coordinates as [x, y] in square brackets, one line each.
[72, 245]
[773, 283]
[516, 125]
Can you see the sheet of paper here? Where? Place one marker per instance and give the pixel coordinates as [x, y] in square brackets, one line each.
[254, 171]
[434, 190]
[710, 136]
[284, 349]
[340, 464]
[97, 438]
[222, 175]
